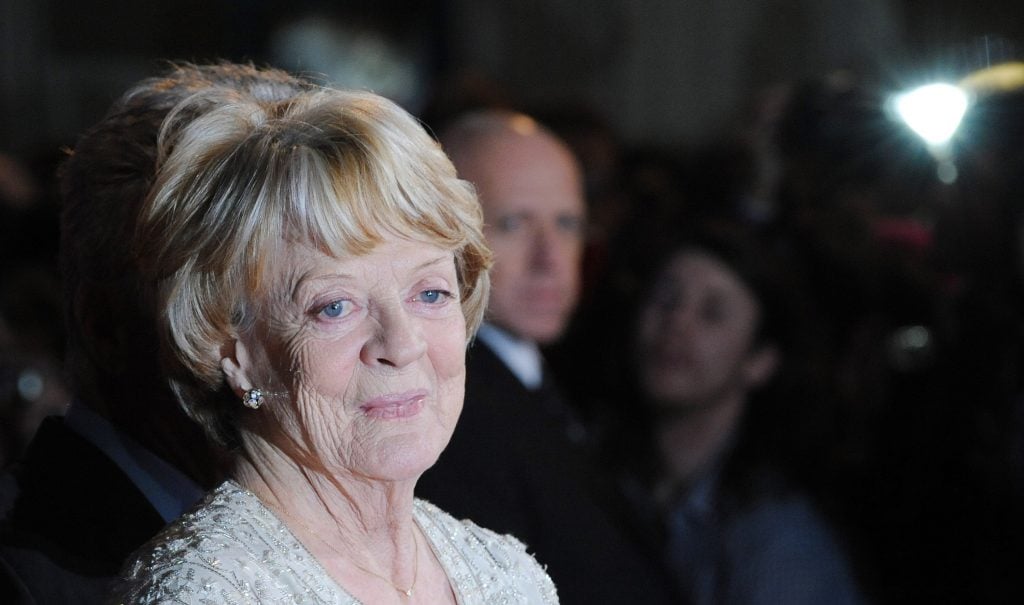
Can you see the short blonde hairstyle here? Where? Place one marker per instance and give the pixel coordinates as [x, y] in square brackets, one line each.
[336, 170]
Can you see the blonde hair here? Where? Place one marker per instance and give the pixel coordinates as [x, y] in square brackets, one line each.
[336, 170]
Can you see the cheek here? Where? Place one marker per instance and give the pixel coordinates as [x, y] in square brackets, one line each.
[723, 351]
[323, 365]
[648, 331]
[321, 380]
[447, 353]
[447, 342]
[573, 251]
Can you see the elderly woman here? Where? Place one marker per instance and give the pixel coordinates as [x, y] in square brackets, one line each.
[321, 269]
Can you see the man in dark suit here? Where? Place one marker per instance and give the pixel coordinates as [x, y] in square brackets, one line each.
[516, 463]
[124, 460]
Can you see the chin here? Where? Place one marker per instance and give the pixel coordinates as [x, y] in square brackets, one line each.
[403, 460]
[546, 332]
[668, 396]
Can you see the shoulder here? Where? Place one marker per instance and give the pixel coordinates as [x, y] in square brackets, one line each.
[774, 521]
[230, 548]
[54, 548]
[485, 566]
[782, 545]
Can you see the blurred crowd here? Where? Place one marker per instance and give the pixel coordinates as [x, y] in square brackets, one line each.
[897, 404]
[888, 311]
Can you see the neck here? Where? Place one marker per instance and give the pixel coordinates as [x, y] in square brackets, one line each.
[357, 506]
[691, 439]
[362, 531]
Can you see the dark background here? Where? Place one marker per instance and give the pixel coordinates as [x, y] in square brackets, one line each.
[660, 71]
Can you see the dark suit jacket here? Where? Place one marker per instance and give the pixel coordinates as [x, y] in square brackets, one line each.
[75, 518]
[511, 467]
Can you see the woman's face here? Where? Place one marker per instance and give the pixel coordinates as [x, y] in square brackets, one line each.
[366, 355]
[695, 334]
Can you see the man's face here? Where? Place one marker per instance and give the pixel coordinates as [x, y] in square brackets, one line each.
[531, 193]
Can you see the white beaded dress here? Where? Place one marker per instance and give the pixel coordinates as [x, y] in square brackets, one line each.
[233, 549]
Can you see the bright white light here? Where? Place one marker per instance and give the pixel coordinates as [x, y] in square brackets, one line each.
[934, 111]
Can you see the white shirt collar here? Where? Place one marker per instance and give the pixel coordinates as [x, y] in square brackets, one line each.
[521, 356]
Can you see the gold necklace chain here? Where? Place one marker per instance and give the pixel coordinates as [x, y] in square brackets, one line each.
[415, 562]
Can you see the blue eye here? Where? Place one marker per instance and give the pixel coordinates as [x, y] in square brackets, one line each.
[334, 309]
[433, 296]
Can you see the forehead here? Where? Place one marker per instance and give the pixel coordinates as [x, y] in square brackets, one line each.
[700, 270]
[526, 173]
[394, 255]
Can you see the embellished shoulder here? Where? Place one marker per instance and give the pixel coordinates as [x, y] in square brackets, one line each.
[228, 549]
[484, 567]
[232, 549]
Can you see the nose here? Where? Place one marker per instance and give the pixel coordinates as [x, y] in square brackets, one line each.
[548, 249]
[396, 340]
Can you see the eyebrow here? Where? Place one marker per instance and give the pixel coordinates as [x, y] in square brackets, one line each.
[305, 279]
[438, 260]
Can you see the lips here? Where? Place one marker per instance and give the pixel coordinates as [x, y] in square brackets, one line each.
[394, 406]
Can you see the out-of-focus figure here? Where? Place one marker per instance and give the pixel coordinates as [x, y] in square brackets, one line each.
[518, 461]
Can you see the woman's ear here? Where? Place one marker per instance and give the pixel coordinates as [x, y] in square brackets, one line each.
[236, 363]
[761, 365]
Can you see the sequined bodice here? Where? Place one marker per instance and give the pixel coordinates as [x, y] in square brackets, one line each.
[233, 549]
